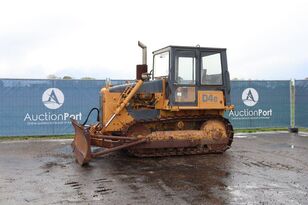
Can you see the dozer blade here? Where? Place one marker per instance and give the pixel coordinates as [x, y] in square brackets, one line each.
[82, 143]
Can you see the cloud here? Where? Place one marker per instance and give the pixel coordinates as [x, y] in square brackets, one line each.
[265, 39]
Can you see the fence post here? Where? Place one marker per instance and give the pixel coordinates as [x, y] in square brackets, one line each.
[292, 128]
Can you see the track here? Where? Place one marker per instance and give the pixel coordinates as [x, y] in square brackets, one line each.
[170, 124]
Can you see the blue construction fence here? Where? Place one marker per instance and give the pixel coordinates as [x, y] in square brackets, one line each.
[44, 107]
[260, 104]
[301, 103]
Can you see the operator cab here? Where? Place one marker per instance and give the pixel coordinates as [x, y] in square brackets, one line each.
[189, 70]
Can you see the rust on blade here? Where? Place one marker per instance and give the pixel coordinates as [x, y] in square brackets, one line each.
[84, 139]
[82, 143]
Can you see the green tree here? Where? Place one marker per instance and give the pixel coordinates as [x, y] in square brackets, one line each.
[66, 77]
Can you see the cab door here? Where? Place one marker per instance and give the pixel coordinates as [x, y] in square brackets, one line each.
[184, 77]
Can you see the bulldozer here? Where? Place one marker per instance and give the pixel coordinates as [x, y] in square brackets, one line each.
[175, 109]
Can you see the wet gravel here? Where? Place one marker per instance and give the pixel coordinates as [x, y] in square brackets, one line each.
[260, 168]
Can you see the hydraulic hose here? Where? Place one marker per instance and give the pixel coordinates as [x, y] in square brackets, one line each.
[97, 118]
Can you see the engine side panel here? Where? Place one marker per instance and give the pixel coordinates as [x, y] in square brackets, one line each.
[140, 108]
[151, 103]
[109, 104]
[144, 114]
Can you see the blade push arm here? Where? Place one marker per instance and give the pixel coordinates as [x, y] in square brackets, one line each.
[125, 102]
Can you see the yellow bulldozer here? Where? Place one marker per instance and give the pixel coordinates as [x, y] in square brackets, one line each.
[175, 109]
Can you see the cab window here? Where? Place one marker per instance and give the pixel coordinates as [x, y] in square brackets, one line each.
[185, 67]
[211, 69]
[161, 65]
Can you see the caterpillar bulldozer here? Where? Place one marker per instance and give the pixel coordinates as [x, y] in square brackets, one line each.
[175, 109]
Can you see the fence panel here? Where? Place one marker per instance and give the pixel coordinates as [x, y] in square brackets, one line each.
[260, 104]
[43, 107]
[301, 103]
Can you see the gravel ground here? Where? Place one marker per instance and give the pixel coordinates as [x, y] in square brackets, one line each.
[260, 168]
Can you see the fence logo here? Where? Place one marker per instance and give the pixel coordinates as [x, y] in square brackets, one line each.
[53, 98]
[250, 97]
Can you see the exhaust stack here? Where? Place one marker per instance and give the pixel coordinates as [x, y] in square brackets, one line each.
[144, 52]
[143, 68]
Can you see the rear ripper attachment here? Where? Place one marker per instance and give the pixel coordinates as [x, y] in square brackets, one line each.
[176, 109]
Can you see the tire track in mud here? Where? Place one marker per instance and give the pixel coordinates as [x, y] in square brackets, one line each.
[272, 162]
[292, 156]
[276, 159]
[86, 191]
[101, 187]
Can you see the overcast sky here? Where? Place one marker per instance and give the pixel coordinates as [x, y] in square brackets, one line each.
[264, 39]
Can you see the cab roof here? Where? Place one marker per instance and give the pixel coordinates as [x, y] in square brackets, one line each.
[188, 47]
